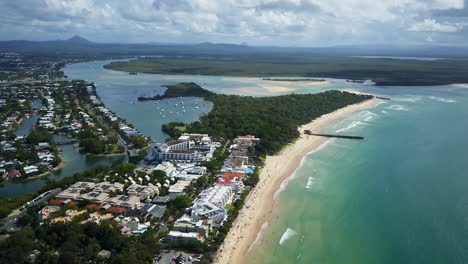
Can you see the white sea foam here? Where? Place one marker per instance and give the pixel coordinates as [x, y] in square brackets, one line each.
[352, 125]
[287, 235]
[440, 99]
[409, 99]
[310, 182]
[397, 108]
[286, 181]
[262, 229]
[368, 116]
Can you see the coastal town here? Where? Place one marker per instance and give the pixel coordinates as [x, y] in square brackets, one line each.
[233, 132]
[185, 190]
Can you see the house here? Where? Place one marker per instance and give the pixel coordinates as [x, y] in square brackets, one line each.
[30, 169]
[45, 212]
[153, 210]
[43, 145]
[14, 174]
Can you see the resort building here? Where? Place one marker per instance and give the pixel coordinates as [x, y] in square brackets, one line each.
[108, 187]
[93, 196]
[142, 191]
[188, 148]
[129, 202]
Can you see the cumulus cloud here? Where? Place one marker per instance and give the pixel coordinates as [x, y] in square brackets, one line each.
[279, 22]
[431, 25]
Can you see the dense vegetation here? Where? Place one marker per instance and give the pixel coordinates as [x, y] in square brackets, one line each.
[273, 119]
[382, 71]
[78, 243]
[180, 89]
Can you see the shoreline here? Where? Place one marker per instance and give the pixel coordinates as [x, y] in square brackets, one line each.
[56, 168]
[278, 168]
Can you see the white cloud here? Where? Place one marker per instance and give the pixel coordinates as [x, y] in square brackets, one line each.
[279, 22]
[431, 25]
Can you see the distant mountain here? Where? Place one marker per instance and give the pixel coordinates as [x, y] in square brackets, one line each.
[79, 46]
[78, 40]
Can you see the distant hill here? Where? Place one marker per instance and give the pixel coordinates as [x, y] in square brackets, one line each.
[78, 46]
[78, 40]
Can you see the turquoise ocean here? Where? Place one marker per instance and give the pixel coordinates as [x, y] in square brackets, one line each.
[399, 196]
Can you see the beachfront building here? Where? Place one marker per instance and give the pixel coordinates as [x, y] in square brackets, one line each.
[182, 171]
[210, 203]
[186, 225]
[187, 148]
[176, 236]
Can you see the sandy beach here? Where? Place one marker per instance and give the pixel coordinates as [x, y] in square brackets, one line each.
[278, 89]
[305, 82]
[260, 202]
[266, 87]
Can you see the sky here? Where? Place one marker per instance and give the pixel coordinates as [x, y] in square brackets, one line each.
[307, 23]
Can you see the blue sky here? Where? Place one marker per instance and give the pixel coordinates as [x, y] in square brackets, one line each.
[257, 22]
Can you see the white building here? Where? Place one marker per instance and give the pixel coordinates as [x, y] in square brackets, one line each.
[175, 236]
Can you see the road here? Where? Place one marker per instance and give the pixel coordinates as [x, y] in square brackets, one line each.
[9, 222]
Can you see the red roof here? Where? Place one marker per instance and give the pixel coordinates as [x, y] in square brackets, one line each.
[94, 206]
[224, 180]
[116, 210]
[72, 203]
[14, 173]
[232, 174]
[56, 202]
[247, 136]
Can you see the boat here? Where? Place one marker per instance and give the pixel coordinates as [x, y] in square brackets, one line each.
[132, 73]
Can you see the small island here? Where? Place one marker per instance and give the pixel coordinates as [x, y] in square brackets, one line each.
[180, 90]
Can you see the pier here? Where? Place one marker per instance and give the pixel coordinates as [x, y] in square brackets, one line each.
[308, 132]
[382, 98]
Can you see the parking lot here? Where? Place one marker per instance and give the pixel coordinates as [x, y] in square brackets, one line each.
[171, 257]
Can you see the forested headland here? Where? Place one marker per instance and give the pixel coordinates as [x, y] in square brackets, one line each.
[273, 119]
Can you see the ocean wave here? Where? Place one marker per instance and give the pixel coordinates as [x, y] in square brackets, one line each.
[397, 108]
[262, 229]
[284, 184]
[411, 99]
[384, 112]
[352, 125]
[440, 99]
[287, 235]
[310, 182]
[368, 116]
